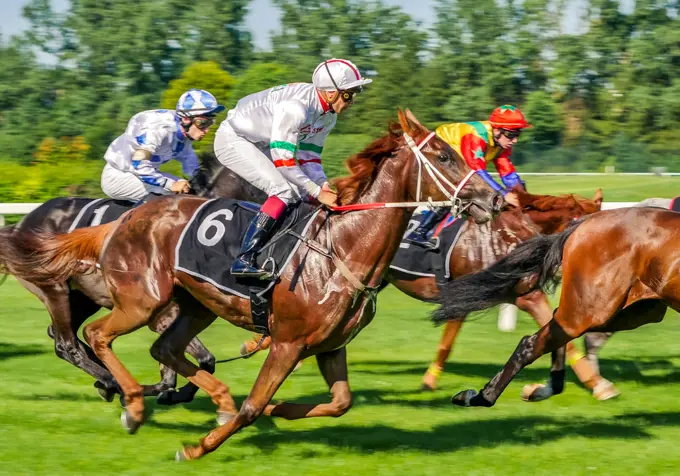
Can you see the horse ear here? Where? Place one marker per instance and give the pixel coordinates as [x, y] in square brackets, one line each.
[597, 198]
[405, 123]
[413, 120]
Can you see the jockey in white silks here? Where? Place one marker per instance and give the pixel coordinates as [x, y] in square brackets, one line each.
[274, 138]
[151, 139]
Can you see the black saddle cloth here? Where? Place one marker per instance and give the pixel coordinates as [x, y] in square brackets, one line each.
[211, 240]
[413, 261]
[100, 211]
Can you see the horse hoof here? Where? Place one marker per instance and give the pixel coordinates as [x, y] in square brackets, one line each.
[298, 366]
[244, 349]
[106, 393]
[605, 390]
[462, 399]
[425, 387]
[130, 424]
[179, 456]
[166, 398]
[224, 417]
[536, 392]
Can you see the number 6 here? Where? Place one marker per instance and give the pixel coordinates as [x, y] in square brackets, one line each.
[211, 222]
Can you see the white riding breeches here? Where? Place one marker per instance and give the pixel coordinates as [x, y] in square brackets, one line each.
[253, 164]
[128, 186]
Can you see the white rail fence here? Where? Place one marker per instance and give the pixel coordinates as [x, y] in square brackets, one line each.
[507, 316]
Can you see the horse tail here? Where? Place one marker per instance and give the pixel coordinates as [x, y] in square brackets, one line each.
[534, 264]
[47, 258]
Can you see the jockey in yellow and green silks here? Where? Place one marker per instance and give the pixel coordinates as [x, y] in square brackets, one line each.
[479, 143]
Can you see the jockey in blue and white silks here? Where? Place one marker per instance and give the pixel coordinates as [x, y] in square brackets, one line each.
[153, 138]
[274, 139]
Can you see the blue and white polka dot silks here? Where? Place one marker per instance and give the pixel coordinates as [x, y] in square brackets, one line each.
[196, 102]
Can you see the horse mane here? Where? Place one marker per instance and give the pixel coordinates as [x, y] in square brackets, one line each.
[364, 166]
[552, 203]
[208, 166]
[208, 162]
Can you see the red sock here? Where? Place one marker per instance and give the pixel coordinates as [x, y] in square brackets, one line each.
[274, 207]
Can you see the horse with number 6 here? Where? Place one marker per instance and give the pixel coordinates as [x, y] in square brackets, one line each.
[478, 246]
[332, 300]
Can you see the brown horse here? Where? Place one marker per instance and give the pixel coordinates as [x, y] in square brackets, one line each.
[71, 303]
[481, 245]
[620, 270]
[331, 302]
[478, 247]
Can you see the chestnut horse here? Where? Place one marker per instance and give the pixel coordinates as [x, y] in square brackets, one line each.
[620, 270]
[481, 245]
[71, 303]
[478, 247]
[331, 302]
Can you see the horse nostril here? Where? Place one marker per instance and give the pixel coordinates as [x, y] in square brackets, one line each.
[496, 203]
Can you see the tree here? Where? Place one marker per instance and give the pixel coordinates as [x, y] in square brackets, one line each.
[201, 75]
[262, 76]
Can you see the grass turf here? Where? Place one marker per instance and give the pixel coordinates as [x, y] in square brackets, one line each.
[53, 422]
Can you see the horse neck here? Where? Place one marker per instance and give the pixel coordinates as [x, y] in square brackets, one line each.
[368, 240]
[481, 245]
[221, 182]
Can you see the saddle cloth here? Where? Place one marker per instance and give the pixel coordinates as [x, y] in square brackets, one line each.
[413, 261]
[99, 212]
[211, 240]
[675, 205]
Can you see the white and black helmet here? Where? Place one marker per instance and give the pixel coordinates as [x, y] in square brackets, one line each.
[338, 74]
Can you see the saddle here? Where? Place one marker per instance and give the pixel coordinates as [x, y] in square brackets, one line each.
[211, 241]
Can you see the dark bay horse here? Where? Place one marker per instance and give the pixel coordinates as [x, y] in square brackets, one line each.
[330, 304]
[71, 303]
[620, 270]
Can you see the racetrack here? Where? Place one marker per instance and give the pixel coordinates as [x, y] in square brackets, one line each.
[53, 422]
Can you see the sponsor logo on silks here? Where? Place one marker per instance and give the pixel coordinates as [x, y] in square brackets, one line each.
[308, 130]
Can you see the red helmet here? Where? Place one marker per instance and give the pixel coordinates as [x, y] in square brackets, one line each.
[508, 117]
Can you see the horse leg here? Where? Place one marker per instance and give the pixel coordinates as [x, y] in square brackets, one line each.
[277, 366]
[195, 348]
[100, 334]
[549, 338]
[250, 347]
[443, 351]
[537, 305]
[333, 366]
[603, 388]
[169, 350]
[68, 310]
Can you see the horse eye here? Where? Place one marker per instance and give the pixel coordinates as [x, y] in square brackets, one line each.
[443, 158]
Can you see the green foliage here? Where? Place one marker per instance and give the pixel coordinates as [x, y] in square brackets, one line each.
[202, 75]
[261, 76]
[607, 94]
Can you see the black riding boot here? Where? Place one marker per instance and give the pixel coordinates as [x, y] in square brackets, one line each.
[256, 237]
[419, 235]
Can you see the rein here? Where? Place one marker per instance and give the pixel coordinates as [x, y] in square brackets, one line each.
[328, 250]
[437, 177]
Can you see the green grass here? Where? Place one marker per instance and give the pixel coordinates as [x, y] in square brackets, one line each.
[52, 421]
[616, 188]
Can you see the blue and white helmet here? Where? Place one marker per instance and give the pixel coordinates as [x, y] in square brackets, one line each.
[198, 102]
